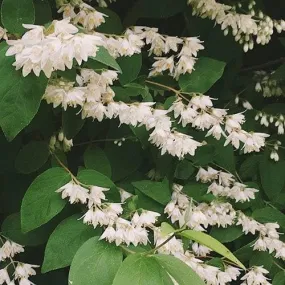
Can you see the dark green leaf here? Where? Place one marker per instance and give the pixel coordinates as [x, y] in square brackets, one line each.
[184, 170]
[32, 157]
[112, 23]
[95, 158]
[15, 13]
[272, 176]
[131, 66]
[158, 191]
[43, 12]
[20, 96]
[261, 259]
[71, 122]
[96, 262]
[249, 167]
[228, 234]
[269, 215]
[207, 72]
[41, 203]
[64, 242]
[279, 278]
[104, 57]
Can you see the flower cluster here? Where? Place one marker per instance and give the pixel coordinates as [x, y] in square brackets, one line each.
[51, 49]
[202, 115]
[225, 185]
[210, 274]
[266, 84]
[246, 29]
[255, 277]
[134, 39]
[60, 142]
[22, 271]
[87, 16]
[104, 214]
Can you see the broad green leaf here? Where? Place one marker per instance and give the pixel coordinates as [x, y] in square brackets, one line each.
[103, 56]
[207, 72]
[20, 96]
[11, 228]
[224, 156]
[93, 177]
[148, 203]
[279, 278]
[269, 215]
[95, 158]
[41, 203]
[184, 169]
[72, 122]
[181, 272]
[15, 13]
[204, 155]
[195, 190]
[158, 191]
[64, 242]
[272, 176]
[139, 270]
[112, 25]
[96, 262]
[166, 229]
[212, 243]
[228, 234]
[249, 167]
[131, 66]
[32, 157]
[261, 259]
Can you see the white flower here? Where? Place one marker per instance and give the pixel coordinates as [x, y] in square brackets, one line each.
[96, 195]
[4, 276]
[256, 276]
[75, 192]
[24, 270]
[10, 249]
[200, 250]
[202, 101]
[145, 219]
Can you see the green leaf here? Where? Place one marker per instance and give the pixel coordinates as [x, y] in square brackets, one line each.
[93, 177]
[272, 176]
[43, 12]
[32, 157]
[131, 66]
[204, 155]
[249, 167]
[184, 169]
[166, 229]
[269, 215]
[228, 234]
[96, 262]
[139, 270]
[104, 57]
[20, 96]
[153, 9]
[124, 159]
[224, 156]
[261, 259]
[158, 191]
[41, 203]
[95, 158]
[11, 228]
[15, 13]
[195, 190]
[211, 243]
[181, 272]
[207, 72]
[72, 122]
[279, 278]
[112, 25]
[64, 242]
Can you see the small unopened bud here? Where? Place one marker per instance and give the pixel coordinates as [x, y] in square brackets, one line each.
[60, 136]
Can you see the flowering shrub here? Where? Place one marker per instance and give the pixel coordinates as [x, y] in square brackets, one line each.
[142, 142]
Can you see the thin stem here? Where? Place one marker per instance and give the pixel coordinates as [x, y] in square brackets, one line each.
[264, 65]
[279, 266]
[161, 245]
[236, 174]
[68, 171]
[127, 250]
[102, 140]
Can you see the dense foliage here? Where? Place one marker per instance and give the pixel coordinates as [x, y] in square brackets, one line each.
[142, 142]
